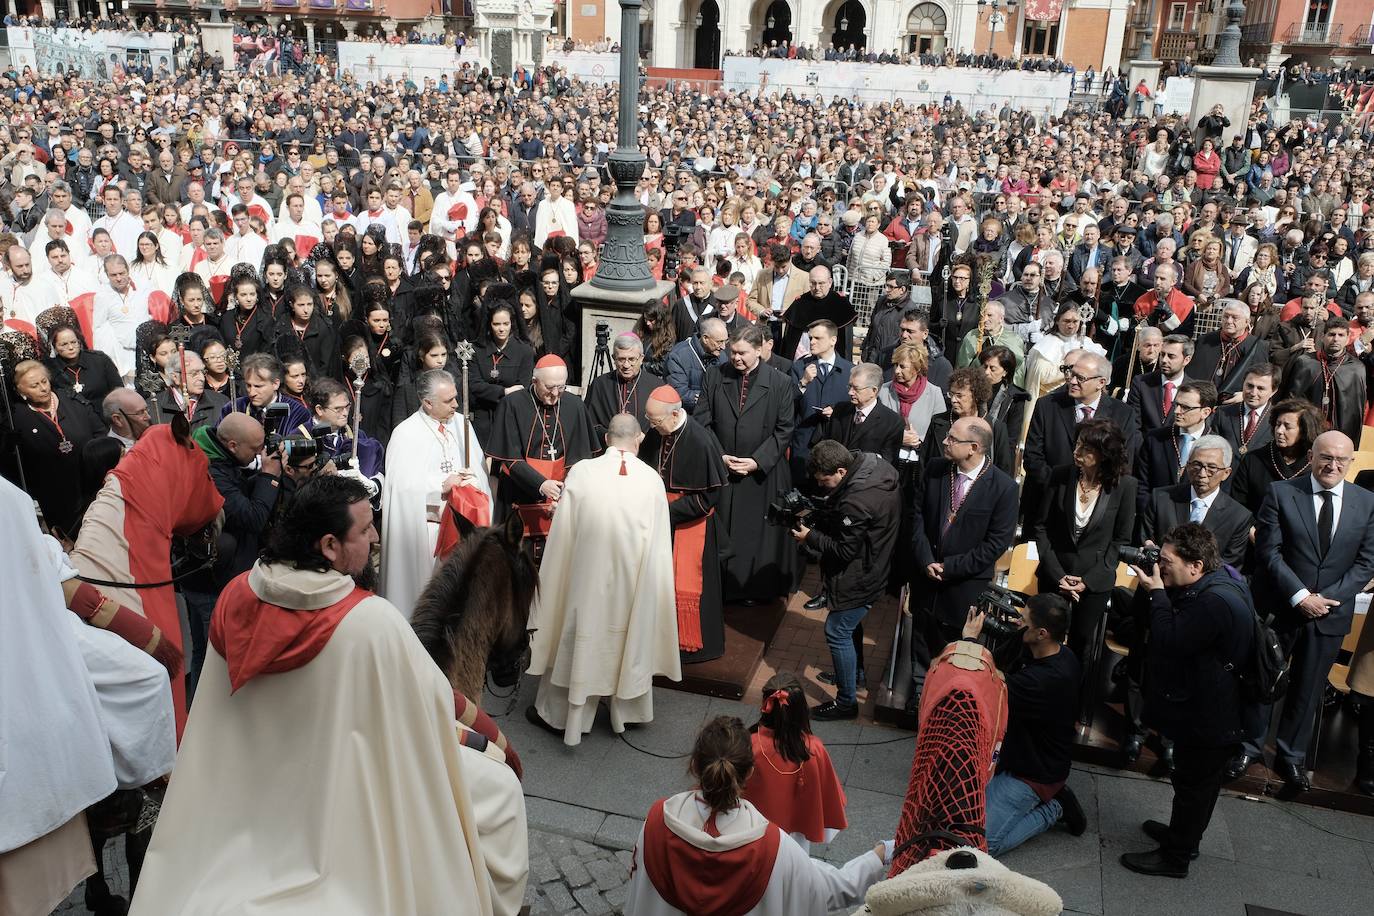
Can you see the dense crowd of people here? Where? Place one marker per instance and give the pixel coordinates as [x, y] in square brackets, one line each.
[900, 341]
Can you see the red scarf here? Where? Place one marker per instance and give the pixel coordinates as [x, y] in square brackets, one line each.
[908, 395]
[260, 638]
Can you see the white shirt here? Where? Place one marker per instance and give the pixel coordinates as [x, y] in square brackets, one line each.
[1337, 498]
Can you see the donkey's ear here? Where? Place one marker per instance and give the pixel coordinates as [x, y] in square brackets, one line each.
[181, 430]
[515, 529]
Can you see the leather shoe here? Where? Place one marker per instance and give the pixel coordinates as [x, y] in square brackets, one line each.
[1071, 812]
[1294, 776]
[832, 711]
[1237, 766]
[533, 717]
[816, 603]
[1154, 864]
[1159, 832]
[1166, 758]
[828, 677]
[1131, 748]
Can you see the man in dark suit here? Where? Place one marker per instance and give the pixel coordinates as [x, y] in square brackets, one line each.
[1200, 499]
[1152, 394]
[1246, 425]
[862, 424]
[1223, 357]
[1164, 452]
[1333, 379]
[965, 520]
[822, 381]
[1314, 546]
[1050, 439]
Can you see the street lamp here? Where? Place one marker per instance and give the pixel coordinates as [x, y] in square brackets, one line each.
[623, 266]
[1228, 47]
[992, 9]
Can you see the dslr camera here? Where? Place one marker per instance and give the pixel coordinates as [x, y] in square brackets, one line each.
[1145, 558]
[1002, 628]
[792, 508]
[273, 416]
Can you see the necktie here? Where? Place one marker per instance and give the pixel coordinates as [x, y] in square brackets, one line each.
[858, 417]
[1326, 520]
[1198, 511]
[1086, 414]
[960, 488]
[1185, 445]
[1168, 397]
[1235, 250]
[1250, 422]
[441, 429]
[823, 370]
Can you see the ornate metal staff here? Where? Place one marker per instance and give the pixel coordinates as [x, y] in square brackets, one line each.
[180, 334]
[465, 351]
[358, 365]
[231, 363]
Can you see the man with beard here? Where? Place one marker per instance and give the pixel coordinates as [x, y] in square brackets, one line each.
[1224, 356]
[185, 393]
[1139, 359]
[1029, 309]
[1299, 335]
[1331, 378]
[1152, 393]
[338, 684]
[625, 389]
[536, 437]
[749, 408]
[820, 301]
[689, 460]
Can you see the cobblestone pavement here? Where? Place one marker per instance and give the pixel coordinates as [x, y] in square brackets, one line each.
[574, 876]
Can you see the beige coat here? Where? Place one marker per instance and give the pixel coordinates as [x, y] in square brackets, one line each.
[760, 300]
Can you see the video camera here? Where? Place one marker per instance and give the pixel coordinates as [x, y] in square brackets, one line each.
[792, 508]
[673, 234]
[603, 334]
[1002, 627]
[1145, 558]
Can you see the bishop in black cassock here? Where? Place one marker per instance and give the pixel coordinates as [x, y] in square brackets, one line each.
[749, 406]
[536, 437]
[811, 307]
[625, 389]
[688, 458]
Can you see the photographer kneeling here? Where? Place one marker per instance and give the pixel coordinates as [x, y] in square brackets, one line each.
[1030, 793]
[1201, 629]
[853, 532]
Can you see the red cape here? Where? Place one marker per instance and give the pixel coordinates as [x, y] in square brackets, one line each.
[804, 798]
[693, 880]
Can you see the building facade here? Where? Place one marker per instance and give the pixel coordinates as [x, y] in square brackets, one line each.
[1317, 31]
[698, 33]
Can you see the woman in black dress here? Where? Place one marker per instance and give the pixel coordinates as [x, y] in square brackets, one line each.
[1007, 405]
[969, 394]
[1296, 424]
[1087, 514]
[51, 429]
[302, 327]
[87, 375]
[504, 364]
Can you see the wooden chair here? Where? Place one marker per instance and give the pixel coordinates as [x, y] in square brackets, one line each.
[1021, 572]
[1363, 462]
[1124, 579]
[1339, 676]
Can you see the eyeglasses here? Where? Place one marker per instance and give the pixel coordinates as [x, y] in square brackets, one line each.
[1081, 379]
[1332, 460]
[949, 439]
[1185, 408]
[1206, 469]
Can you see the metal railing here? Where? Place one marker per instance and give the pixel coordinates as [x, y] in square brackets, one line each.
[1322, 33]
[1360, 36]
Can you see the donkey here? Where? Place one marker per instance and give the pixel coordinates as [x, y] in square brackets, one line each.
[474, 613]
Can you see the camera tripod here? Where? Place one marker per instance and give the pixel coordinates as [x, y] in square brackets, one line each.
[601, 356]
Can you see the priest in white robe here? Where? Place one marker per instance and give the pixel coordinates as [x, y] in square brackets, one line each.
[54, 757]
[118, 311]
[606, 614]
[426, 457]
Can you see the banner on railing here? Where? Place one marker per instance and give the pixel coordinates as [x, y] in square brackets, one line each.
[95, 55]
[370, 61]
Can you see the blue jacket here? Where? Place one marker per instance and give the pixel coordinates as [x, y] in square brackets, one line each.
[686, 367]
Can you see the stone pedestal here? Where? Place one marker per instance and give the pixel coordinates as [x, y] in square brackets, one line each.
[619, 310]
[511, 33]
[1147, 70]
[1233, 88]
[218, 36]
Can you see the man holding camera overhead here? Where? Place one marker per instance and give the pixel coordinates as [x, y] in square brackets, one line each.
[853, 532]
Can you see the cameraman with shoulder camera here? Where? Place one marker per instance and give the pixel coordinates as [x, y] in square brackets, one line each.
[1201, 630]
[1030, 793]
[853, 532]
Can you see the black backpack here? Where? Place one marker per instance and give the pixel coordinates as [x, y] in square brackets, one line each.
[1263, 673]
